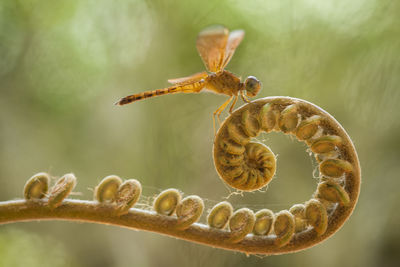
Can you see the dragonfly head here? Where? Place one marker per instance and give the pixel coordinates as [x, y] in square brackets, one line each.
[252, 86]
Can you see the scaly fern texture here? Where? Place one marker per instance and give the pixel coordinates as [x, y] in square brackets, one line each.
[241, 163]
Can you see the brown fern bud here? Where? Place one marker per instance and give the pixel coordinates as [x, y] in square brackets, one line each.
[308, 127]
[298, 211]
[219, 215]
[264, 221]
[106, 191]
[166, 201]
[335, 167]
[284, 227]
[317, 216]
[189, 211]
[36, 187]
[326, 144]
[268, 117]
[61, 190]
[288, 119]
[240, 224]
[127, 195]
[333, 192]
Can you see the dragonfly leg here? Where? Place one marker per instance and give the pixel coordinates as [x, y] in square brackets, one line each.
[219, 110]
[245, 99]
[233, 104]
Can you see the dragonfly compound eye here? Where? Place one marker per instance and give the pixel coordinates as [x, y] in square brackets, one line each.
[252, 86]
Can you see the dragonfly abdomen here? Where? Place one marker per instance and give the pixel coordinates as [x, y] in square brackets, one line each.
[179, 88]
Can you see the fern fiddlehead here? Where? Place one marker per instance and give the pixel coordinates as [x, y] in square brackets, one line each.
[243, 164]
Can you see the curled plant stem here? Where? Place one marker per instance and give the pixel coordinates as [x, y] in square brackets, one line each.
[263, 232]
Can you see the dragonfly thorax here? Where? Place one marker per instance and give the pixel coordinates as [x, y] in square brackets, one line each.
[224, 82]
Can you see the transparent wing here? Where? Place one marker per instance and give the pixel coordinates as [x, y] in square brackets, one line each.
[188, 79]
[233, 42]
[211, 43]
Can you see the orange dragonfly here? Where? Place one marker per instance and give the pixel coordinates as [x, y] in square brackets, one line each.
[216, 47]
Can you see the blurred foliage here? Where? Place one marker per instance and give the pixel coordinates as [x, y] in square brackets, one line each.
[19, 248]
[64, 63]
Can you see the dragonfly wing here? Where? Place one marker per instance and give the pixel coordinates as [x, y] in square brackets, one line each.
[233, 42]
[211, 43]
[192, 78]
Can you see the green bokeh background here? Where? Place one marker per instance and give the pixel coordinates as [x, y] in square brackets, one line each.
[64, 63]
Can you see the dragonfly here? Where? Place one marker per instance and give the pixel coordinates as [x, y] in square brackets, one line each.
[216, 46]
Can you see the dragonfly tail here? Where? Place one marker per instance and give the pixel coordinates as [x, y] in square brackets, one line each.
[188, 88]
